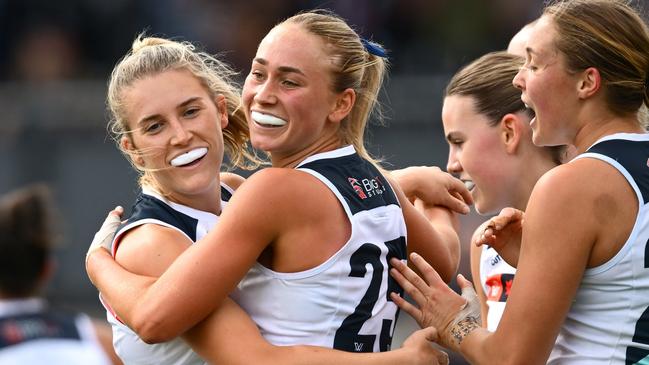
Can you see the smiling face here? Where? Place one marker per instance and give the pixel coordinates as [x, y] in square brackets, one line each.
[175, 134]
[477, 154]
[547, 87]
[287, 95]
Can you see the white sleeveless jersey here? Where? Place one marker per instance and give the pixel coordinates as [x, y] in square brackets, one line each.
[608, 322]
[30, 334]
[152, 208]
[343, 303]
[496, 278]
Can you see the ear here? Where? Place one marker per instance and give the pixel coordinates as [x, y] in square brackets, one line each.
[344, 104]
[511, 132]
[127, 146]
[589, 82]
[222, 110]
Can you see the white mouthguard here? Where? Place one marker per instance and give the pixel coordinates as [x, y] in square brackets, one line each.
[267, 119]
[189, 157]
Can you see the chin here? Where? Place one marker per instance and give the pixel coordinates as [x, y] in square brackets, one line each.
[484, 209]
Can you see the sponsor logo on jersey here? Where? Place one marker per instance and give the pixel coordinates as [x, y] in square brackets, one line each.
[367, 187]
[357, 187]
[499, 286]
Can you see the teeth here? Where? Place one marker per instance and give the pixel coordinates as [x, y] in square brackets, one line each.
[267, 119]
[469, 184]
[189, 157]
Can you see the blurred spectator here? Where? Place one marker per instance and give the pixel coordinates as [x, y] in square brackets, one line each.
[31, 333]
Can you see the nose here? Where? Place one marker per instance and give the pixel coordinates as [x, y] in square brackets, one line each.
[519, 79]
[453, 165]
[265, 93]
[181, 135]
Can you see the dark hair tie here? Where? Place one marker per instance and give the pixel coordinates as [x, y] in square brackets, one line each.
[374, 48]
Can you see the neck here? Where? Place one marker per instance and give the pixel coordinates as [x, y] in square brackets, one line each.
[208, 201]
[294, 159]
[603, 126]
[533, 170]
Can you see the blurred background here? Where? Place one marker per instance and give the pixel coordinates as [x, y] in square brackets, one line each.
[56, 56]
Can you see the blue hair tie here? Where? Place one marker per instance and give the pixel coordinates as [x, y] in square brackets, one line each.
[374, 48]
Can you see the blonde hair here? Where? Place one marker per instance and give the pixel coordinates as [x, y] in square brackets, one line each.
[611, 36]
[355, 68]
[150, 56]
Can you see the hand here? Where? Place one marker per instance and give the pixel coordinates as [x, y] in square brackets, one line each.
[438, 305]
[424, 353]
[502, 232]
[434, 187]
[104, 237]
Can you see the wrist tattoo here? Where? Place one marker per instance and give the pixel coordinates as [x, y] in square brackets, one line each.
[462, 328]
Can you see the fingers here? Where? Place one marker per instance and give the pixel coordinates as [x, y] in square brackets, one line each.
[505, 217]
[463, 282]
[430, 334]
[457, 186]
[408, 286]
[104, 237]
[413, 311]
[118, 211]
[442, 358]
[431, 276]
[455, 202]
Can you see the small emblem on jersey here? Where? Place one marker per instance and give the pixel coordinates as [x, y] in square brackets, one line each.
[367, 188]
[498, 287]
[357, 187]
[358, 347]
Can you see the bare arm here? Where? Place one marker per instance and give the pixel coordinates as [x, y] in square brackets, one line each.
[201, 277]
[228, 336]
[556, 244]
[476, 253]
[434, 187]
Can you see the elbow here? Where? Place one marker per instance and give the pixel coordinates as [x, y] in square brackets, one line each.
[151, 329]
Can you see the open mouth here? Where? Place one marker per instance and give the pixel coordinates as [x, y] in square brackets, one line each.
[189, 158]
[267, 120]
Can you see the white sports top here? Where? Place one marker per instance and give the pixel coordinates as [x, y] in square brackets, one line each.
[344, 302]
[608, 322]
[32, 334]
[152, 208]
[496, 278]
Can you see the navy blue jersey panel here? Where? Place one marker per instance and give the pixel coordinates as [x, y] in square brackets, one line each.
[148, 207]
[360, 182]
[633, 155]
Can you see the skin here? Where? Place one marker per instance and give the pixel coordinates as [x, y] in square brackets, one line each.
[158, 310]
[163, 122]
[552, 260]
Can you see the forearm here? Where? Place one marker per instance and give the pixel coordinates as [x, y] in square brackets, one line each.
[312, 355]
[127, 294]
[121, 289]
[447, 251]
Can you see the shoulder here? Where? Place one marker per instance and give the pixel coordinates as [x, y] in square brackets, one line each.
[281, 181]
[232, 180]
[281, 193]
[579, 181]
[150, 248]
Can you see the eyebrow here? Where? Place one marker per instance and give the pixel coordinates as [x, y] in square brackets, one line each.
[181, 105]
[282, 69]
